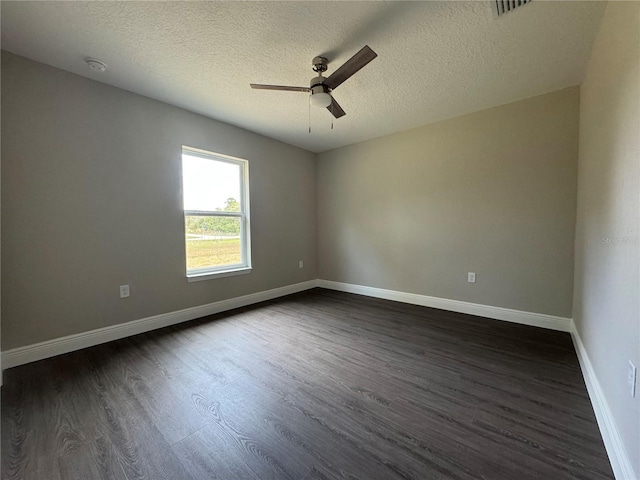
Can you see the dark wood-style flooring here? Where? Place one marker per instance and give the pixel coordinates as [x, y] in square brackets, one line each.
[318, 385]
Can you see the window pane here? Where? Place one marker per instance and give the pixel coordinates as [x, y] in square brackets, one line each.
[210, 185]
[212, 241]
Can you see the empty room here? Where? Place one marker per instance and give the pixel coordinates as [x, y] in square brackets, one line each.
[320, 240]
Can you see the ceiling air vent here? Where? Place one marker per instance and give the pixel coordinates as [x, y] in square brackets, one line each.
[506, 6]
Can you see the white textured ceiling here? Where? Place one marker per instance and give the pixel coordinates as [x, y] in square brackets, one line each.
[435, 60]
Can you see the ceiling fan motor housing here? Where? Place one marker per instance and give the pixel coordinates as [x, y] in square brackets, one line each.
[317, 85]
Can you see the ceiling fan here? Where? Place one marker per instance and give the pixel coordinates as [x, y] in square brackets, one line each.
[321, 87]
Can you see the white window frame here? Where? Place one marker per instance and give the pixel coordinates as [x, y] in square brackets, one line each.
[207, 273]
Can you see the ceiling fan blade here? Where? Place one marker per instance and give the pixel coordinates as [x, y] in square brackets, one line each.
[350, 67]
[335, 109]
[259, 86]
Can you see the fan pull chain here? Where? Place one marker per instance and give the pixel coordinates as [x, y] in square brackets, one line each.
[309, 113]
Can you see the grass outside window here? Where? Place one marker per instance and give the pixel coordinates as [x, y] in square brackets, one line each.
[203, 253]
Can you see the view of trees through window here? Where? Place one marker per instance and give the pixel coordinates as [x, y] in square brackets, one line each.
[220, 226]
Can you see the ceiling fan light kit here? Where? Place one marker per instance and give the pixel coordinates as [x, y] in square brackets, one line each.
[320, 97]
[320, 87]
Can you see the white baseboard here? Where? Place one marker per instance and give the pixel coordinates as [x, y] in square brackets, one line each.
[620, 461]
[58, 346]
[498, 313]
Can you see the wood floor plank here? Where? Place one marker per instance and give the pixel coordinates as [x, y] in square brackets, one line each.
[319, 385]
[304, 436]
[162, 385]
[211, 455]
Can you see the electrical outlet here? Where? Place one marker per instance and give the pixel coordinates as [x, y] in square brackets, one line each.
[471, 277]
[300, 264]
[632, 378]
[124, 291]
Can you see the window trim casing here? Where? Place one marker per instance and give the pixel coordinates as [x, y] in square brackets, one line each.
[207, 273]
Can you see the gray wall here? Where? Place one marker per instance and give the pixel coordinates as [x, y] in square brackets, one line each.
[91, 200]
[607, 283]
[493, 192]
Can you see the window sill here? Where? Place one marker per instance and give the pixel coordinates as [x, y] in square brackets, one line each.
[199, 277]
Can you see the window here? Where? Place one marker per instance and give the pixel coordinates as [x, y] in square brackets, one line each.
[215, 190]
